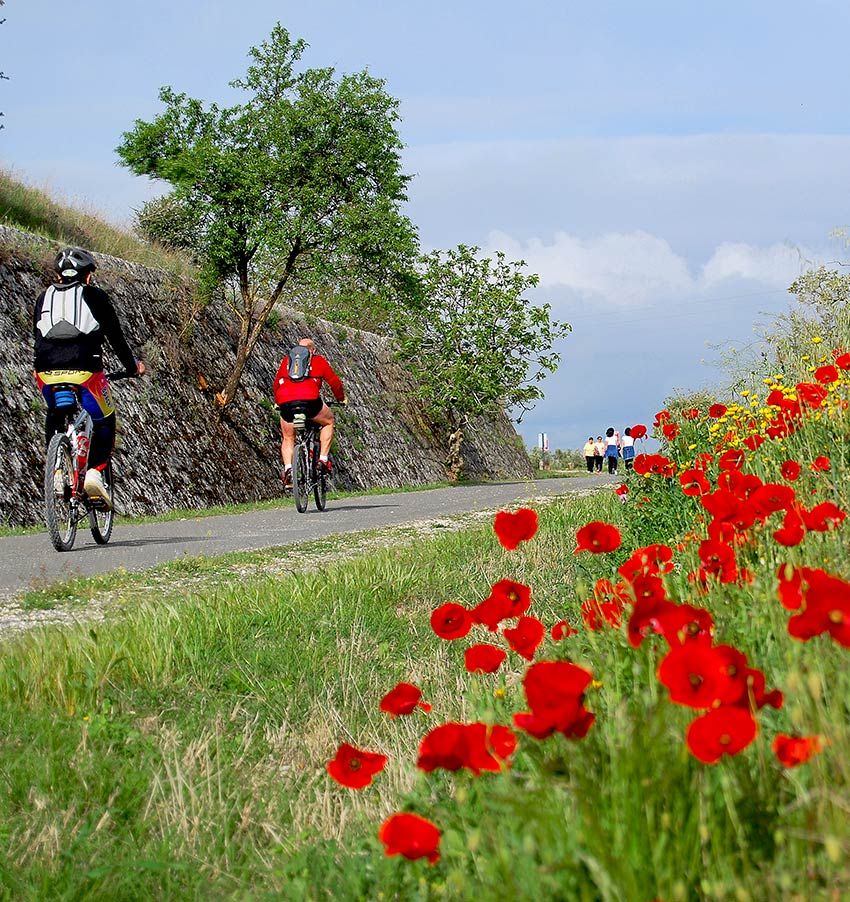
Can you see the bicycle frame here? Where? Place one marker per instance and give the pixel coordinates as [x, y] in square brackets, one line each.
[307, 477]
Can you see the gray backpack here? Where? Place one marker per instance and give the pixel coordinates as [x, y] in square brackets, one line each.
[298, 366]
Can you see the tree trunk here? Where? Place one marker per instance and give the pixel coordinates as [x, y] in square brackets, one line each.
[243, 349]
[454, 452]
[252, 323]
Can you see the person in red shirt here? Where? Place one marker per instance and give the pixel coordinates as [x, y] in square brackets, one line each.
[304, 395]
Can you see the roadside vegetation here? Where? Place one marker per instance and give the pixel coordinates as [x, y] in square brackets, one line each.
[182, 750]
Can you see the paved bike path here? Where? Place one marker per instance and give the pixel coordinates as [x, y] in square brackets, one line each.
[29, 561]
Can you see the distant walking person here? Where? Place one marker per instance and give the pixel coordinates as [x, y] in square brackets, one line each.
[612, 450]
[590, 454]
[598, 453]
[627, 443]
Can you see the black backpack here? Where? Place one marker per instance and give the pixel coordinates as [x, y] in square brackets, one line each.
[298, 363]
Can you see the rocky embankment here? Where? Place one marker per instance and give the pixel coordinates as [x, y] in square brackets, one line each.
[175, 449]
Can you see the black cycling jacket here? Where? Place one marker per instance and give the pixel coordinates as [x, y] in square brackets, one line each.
[83, 351]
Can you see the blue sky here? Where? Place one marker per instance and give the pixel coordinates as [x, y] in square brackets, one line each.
[666, 167]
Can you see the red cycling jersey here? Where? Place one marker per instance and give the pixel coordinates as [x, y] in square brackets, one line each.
[307, 389]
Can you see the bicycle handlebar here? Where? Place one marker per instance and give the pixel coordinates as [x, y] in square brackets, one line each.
[122, 374]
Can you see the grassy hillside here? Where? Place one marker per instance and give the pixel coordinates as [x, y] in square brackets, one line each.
[33, 210]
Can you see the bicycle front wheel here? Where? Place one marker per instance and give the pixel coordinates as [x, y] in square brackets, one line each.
[101, 518]
[300, 478]
[59, 506]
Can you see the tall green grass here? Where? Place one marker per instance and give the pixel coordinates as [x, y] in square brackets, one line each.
[180, 751]
[34, 210]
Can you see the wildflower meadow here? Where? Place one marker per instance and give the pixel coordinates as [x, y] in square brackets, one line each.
[681, 732]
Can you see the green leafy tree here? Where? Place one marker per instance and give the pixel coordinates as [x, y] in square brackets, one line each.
[473, 343]
[300, 182]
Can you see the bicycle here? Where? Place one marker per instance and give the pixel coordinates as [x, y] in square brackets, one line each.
[307, 475]
[66, 504]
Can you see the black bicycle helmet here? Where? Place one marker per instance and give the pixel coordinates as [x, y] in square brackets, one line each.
[73, 264]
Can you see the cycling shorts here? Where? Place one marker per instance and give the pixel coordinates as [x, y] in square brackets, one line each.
[289, 408]
[95, 395]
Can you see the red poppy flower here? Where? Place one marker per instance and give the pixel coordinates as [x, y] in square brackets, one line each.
[756, 696]
[701, 461]
[754, 442]
[726, 508]
[681, 623]
[598, 537]
[555, 693]
[595, 614]
[823, 517]
[507, 599]
[526, 636]
[793, 530]
[663, 416]
[716, 411]
[693, 675]
[690, 414]
[645, 617]
[511, 529]
[734, 669]
[489, 747]
[647, 561]
[475, 746]
[355, 768]
[826, 609]
[843, 361]
[411, 836]
[790, 470]
[694, 483]
[403, 699]
[654, 464]
[722, 731]
[562, 630]
[622, 490]
[718, 559]
[670, 431]
[794, 750]
[811, 394]
[483, 658]
[827, 374]
[731, 460]
[790, 588]
[821, 464]
[771, 497]
[742, 485]
[451, 621]
[639, 431]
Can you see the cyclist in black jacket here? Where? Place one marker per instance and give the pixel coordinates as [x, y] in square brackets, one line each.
[70, 322]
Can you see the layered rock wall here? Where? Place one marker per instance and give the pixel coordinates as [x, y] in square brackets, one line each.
[175, 449]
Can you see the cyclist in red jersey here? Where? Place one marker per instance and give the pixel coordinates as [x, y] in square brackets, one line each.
[292, 396]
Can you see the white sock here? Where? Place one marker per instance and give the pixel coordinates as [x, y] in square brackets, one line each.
[323, 458]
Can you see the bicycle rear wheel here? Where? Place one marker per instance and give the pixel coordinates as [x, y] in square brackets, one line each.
[101, 519]
[320, 481]
[300, 478]
[59, 507]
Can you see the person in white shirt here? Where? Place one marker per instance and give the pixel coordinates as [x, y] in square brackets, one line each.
[627, 446]
[612, 450]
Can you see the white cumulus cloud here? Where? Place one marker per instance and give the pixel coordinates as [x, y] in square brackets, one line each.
[636, 269]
